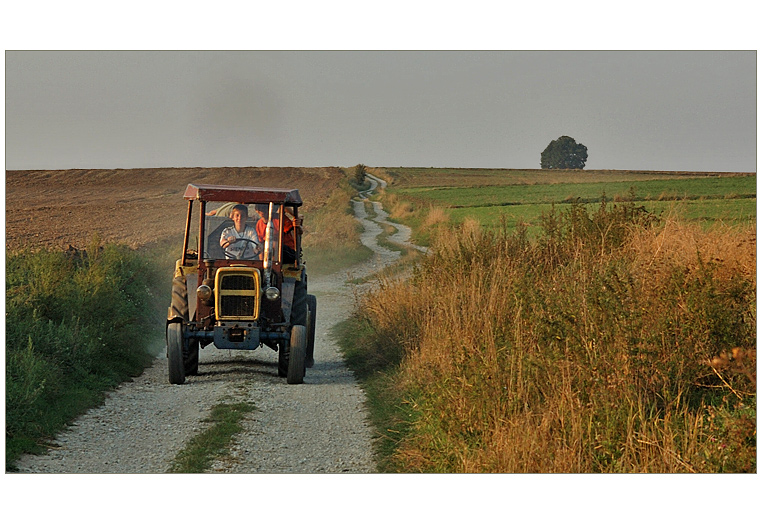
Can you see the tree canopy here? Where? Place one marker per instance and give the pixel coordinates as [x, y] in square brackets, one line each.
[564, 153]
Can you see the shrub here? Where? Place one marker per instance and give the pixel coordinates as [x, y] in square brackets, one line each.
[76, 324]
[597, 347]
[359, 174]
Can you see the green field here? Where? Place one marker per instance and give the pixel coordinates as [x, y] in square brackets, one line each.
[522, 196]
[604, 341]
[407, 177]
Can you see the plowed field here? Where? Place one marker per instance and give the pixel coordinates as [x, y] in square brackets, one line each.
[130, 206]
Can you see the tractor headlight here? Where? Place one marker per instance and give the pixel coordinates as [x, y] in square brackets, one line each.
[204, 292]
[272, 293]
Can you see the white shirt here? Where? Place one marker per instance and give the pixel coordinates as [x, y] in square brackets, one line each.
[242, 250]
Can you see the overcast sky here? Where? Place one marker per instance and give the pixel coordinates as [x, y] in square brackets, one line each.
[654, 110]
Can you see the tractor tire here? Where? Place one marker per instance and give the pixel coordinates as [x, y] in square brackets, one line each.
[179, 304]
[283, 351]
[190, 358]
[309, 358]
[297, 350]
[179, 310]
[298, 319]
[299, 304]
[175, 343]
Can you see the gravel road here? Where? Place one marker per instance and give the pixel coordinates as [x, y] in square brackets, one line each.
[318, 427]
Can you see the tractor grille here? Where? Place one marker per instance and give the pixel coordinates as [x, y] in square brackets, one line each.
[238, 282]
[237, 293]
[237, 306]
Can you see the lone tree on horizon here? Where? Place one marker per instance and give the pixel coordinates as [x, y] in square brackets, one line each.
[564, 153]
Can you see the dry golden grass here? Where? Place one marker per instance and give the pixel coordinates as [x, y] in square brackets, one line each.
[576, 354]
[332, 226]
[436, 216]
[398, 209]
[731, 250]
[332, 234]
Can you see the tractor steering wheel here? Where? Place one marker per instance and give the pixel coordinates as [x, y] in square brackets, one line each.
[230, 254]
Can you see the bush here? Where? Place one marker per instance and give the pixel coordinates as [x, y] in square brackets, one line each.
[76, 324]
[359, 174]
[605, 345]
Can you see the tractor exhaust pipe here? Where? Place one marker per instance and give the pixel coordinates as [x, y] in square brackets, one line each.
[269, 235]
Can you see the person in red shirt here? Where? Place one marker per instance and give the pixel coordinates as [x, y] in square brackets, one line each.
[289, 245]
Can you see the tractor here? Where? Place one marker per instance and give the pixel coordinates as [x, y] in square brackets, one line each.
[241, 282]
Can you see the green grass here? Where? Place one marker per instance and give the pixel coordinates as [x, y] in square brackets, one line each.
[374, 365]
[322, 262]
[733, 211]
[568, 352]
[680, 189]
[513, 197]
[76, 326]
[214, 442]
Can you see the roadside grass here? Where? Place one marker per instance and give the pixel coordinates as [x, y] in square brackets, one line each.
[375, 366]
[332, 235]
[613, 341]
[213, 442]
[77, 325]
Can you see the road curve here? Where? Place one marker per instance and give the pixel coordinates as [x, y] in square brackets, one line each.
[319, 426]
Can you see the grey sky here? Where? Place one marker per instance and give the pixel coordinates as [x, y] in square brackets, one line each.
[650, 110]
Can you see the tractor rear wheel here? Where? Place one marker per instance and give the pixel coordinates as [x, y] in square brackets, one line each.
[283, 351]
[179, 302]
[297, 350]
[312, 317]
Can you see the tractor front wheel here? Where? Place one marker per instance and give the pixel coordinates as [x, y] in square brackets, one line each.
[190, 360]
[176, 366]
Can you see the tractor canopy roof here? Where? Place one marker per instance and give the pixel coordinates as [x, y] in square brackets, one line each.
[244, 195]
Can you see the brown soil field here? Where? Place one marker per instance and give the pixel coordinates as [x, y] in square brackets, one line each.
[58, 208]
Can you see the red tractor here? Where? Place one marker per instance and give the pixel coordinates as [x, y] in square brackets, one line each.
[241, 282]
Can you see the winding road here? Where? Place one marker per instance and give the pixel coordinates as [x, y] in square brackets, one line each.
[319, 426]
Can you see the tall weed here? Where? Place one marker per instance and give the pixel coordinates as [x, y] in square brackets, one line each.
[604, 345]
[76, 323]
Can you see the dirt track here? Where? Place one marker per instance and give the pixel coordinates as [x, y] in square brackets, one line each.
[319, 426]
